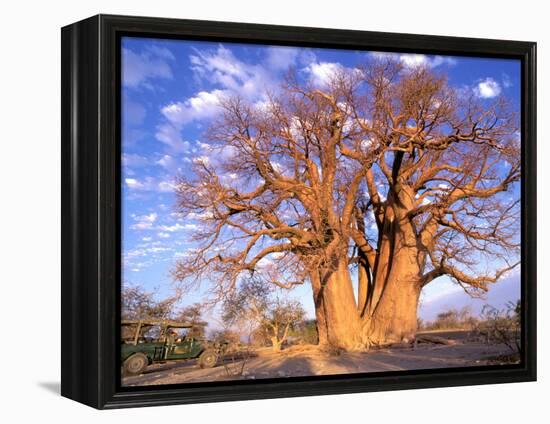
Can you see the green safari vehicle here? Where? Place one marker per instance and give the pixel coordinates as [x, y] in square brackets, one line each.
[167, 342]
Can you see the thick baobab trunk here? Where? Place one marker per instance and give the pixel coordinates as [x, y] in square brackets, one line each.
[394, 317]
[392, 309]
[387, 294]
[338, 321]
[319, 309]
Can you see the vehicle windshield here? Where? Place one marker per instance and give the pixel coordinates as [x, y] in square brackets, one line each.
[147, 334]
[154, 334]
[177, 335]
[151, 333]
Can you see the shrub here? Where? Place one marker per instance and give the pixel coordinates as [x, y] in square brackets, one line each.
[502, 325]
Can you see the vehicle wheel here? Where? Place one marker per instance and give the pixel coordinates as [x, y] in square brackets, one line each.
[208, 359]
[135, 364]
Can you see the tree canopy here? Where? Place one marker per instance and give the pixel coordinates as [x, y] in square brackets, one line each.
[385, 168]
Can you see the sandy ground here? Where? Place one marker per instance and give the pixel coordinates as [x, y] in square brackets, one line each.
[308, 361]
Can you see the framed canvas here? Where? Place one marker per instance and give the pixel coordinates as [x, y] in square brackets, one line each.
[254, 211]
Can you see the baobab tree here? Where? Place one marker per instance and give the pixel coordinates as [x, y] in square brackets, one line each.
[385, 174]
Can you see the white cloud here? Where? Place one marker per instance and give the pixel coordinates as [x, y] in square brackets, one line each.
[203, 105]
[415, 60]
[221, 67]
[166, 186]
[159, 249]
[436, 61]
[204, 146]
[133, 183]
[161, 52]
[487, 89]
[163, 235]
[171, 136]
[138, 69]
[176, 227]
[506, 80]
[323, 72]
[167, 162]
[152, 254]
[200, 216]
[132, 160]
[279, 57]
[144, 222]
[384, 55]
[149, 184]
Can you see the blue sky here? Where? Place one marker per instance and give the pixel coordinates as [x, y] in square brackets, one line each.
[170, 90]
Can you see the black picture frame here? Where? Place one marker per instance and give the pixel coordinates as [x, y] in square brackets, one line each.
[91, 222]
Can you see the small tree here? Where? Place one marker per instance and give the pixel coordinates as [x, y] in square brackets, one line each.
[502, 325]
[225, 336]
[137, 303]
[453, 319]
[283, 316]
[193, 315]
[447, 319]
[140, 304]
[253, 302]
